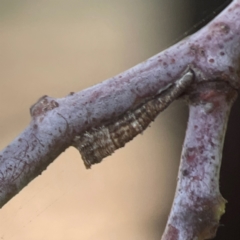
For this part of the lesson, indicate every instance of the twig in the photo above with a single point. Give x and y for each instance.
(198, 204)
(213, 55)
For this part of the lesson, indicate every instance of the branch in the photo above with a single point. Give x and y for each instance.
(211, 55)
(97, 144)
(198, 204)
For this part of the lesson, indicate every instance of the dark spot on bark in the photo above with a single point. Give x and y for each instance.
(222, 53)
(71, 93)
(198, 50)
(120, 76)
(231, 69)
(220, 46)
(201, 149)
(185, 172)
(225, 28)
(211, 143)
(173, 60)
(35, 126)
(169, 74)
(222, 27)
(19, 139)
(211, 60)
(172, 232)
(164, 64)
(209, 37)
(190, 155)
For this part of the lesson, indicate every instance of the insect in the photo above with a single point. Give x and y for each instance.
(96, 144)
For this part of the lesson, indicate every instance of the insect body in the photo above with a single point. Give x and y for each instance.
(99, 143)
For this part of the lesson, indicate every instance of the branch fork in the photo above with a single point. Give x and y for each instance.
(203, 68)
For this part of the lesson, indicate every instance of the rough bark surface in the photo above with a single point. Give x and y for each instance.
(198, 204)
(213, 55)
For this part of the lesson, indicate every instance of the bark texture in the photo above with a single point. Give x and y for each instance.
(213, 55)
(198, 204)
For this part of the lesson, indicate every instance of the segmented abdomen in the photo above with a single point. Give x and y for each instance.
(99, 143)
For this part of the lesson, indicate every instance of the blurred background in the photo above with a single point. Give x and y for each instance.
(54, 47)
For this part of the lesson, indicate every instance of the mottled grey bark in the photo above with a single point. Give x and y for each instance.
(212, 54)
(198, 204)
